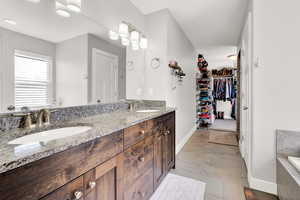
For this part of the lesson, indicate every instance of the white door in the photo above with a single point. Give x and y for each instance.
(1, 76)
(104, 77)
(246, 93)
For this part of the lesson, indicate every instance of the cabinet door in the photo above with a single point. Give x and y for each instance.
(142, 189)
(159, 157)
(170, 142)
(71, 191)
(103, 182)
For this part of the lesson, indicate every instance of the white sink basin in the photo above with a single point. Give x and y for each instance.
(295, 162)
(49, 135)
(147, 111)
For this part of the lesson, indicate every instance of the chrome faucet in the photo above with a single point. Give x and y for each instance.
(27, 120)
(43, 118)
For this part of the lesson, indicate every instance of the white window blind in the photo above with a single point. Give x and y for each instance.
(32, 81)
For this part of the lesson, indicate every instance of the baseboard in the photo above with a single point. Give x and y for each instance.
(180, 145)
(261, 185)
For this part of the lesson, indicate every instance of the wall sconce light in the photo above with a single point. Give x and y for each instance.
(34, 1)
(144, 43)
(113, 35)
(123, 30)
(61, 9)
(125, 41)
(135, 39)
(74, 5)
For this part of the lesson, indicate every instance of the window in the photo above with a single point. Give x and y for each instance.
(32, 80)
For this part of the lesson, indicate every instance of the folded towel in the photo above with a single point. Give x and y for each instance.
(295, 162)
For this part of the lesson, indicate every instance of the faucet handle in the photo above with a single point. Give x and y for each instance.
(27, 117)
(46, 116)
(28, 121)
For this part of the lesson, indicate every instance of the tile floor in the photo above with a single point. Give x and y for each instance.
(219, 166)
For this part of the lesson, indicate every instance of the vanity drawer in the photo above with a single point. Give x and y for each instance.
(142, 189)
(137, 160)
(136, 133)
(71, 191)
(38, 179)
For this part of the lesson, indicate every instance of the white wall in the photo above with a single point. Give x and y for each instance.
(168, 42)
(72, 71)
(183, 96)
(9, 42)
(275, 82)
(156, 79)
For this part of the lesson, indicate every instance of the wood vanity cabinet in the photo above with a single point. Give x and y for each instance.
(104, 182)
(70, 191)
(170, 142)
(164, 148)
(126, 165)
(159, 157)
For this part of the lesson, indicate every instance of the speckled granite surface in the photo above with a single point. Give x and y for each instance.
(288, 178)
(13, 156)
(9, 122)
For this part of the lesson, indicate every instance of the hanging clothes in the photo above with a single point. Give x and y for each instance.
(224, 89)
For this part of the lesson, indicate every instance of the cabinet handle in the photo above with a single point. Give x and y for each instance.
(142, 132)
(141, 159)
(92, 184)
(78, 194)
(143, 194)
(166, 133)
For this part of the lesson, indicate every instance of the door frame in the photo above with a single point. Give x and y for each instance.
(113, 56)
(248, 146)
(1, 76)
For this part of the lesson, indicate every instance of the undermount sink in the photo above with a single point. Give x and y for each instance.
(147, 111)
(49, 135)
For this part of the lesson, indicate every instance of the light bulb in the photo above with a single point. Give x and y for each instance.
(232, 57)
(135, 36)
(74, 5)
(123, 30)
(113, 35)
(63, 13)
(33, 1)
(135, 47)
(10, 21)
(61, 10)
(125, 41)
(74, 8)
(144, 43)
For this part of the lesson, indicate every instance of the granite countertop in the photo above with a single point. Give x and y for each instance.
(13, 156)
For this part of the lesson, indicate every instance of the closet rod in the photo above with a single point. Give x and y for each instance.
(225, 77)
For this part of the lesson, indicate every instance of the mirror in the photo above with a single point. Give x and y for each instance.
(55, 56)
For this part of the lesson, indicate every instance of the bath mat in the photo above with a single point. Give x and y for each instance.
(225, 138)
(176, 187)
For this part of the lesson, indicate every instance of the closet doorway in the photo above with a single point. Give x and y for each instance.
(225, 92)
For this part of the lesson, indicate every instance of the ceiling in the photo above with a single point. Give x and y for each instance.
(206, 22)
(41, 21)
(217, 56)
